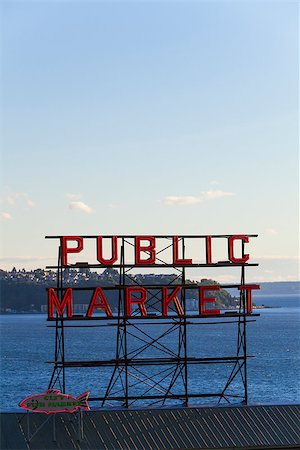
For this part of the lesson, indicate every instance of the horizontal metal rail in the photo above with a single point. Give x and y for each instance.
(157, 286)
(154, 397)
(158, 236)
(148, 361)
(150, 266)
(152, 323)
(150, 317)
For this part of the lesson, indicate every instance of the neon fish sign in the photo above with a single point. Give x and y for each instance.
(53, 401)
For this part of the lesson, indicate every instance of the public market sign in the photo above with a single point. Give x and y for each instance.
(146, 252)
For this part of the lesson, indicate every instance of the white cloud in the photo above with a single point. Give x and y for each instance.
(6, 216)
(30, 203)
(10, 200)
(185, 200)
(271, 231)
(81, 206)
(73, 197)
(15, 198)
(212, 195)
(191, 200)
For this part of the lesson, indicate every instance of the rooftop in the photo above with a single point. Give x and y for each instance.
(239, 427)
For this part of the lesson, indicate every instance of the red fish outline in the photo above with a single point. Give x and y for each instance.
(82, 399)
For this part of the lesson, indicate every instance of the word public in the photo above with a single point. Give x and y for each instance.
(145, 252)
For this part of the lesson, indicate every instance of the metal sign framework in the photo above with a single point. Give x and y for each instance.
(149, 369)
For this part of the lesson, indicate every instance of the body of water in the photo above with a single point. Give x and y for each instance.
(273, 375)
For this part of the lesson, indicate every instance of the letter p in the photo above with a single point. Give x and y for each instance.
(66, 249)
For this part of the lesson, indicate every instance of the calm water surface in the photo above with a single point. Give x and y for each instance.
(273, 375)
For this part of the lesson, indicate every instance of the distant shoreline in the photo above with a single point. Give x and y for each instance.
(24, 313)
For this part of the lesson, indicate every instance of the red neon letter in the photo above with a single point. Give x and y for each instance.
(248, 288)
(66, 249)
(98, 293)
(167, 300)
(114, 251)
(150, 249)
(231, 250)
(176, 260)
(208, 249)
(203, 300)
(129, 300)
(60, 305)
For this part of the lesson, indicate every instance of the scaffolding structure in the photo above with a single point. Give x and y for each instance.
(152, 368)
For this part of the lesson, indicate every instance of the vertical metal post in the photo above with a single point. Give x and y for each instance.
(62, 331)
(185, 331)
(124, 326)
(54, 428)
(80, 426)
(28, 428)
(59, 353)
(244, 336)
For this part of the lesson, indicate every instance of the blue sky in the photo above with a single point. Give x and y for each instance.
(150, 118)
